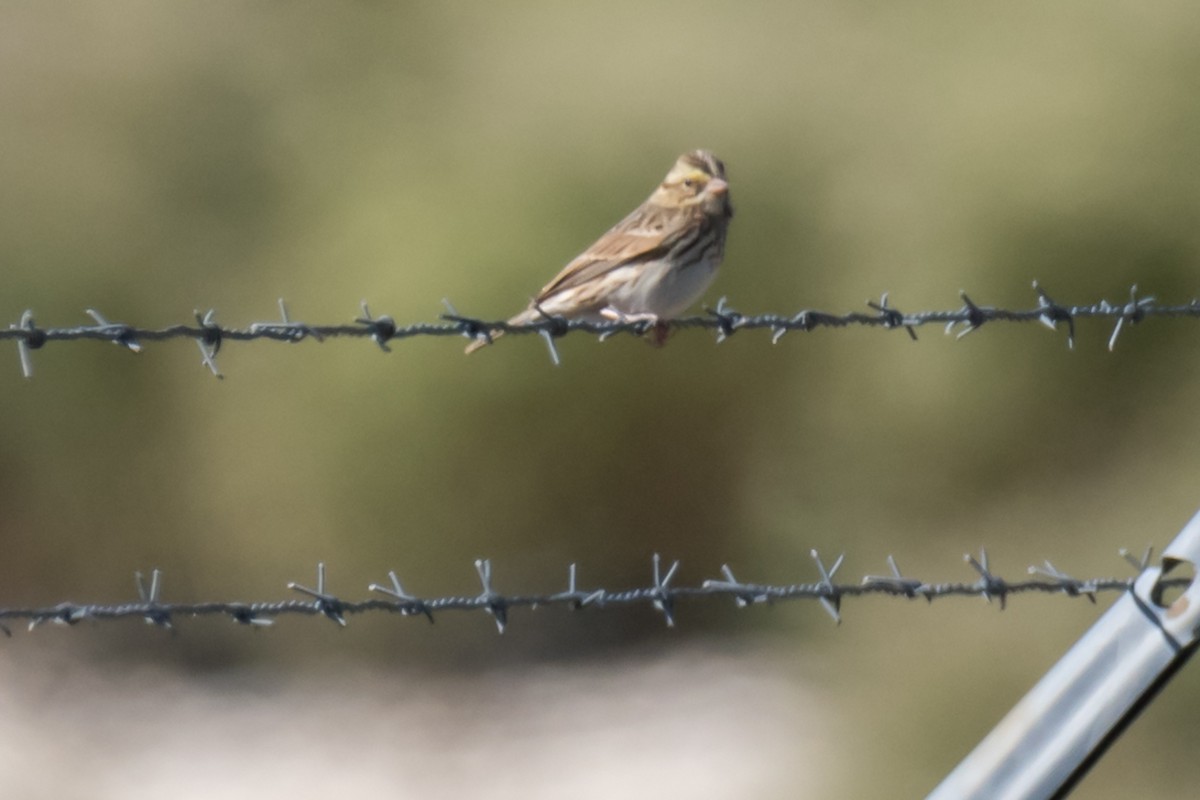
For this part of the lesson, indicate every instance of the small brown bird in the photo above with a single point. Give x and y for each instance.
(654, 263)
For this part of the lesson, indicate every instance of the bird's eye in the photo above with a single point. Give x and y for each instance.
(688, 182)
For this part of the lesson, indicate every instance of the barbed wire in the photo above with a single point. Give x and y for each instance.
(209, 335)
(660, 594)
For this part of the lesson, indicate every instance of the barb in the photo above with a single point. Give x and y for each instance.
(660, 595)
(723, 320)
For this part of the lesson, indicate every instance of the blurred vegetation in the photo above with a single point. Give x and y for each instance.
(159, 158)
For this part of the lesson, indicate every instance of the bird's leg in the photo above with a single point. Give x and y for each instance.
(660, 333)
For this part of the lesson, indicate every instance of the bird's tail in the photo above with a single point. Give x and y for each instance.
(524, 318)
(482, 341)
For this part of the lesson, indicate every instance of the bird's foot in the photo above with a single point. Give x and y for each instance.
(608, 312)
(656, 329)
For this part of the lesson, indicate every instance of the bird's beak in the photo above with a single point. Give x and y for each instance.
(717, 186)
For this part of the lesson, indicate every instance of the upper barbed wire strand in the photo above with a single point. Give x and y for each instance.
(210, 335)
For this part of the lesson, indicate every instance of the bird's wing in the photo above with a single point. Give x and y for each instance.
(639, 236)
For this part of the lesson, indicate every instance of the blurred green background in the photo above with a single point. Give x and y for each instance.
(158, 158)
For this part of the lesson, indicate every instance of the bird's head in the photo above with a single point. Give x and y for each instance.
(696, 181)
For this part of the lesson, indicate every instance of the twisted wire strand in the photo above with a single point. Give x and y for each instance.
(659, 593)
(725, 321)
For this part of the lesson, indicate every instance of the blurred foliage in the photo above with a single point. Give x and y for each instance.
(159, 158)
